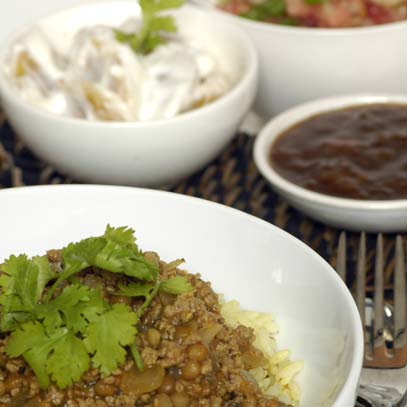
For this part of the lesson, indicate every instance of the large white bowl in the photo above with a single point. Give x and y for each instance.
(298, 64)
(353, 214)
(152, 153)
(247, 259)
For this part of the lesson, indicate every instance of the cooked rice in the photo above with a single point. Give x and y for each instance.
(278, 378)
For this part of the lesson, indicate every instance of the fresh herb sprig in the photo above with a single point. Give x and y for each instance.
(265, 10)
(150, 36)
(314, 2)
(60, 334)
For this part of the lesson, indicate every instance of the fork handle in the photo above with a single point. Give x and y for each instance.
(379, 396)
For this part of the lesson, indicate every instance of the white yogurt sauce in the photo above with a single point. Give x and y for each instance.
(98, 78)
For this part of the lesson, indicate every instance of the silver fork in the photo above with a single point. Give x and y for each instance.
(377, 356)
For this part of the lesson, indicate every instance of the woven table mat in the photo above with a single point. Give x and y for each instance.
(232, 179)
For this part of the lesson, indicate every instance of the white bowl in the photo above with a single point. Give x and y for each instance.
(353, 214)
(152, 153)
(247, 259)
(298, 64)
(21, 12)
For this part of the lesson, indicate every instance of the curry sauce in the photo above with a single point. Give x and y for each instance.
(356, 153)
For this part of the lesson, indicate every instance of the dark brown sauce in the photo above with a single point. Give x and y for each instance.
(356, 153)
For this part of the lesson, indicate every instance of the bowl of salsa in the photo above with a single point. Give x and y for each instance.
(310, 49)
(341, 160)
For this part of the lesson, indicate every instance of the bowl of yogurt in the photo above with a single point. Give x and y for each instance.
(93, 95)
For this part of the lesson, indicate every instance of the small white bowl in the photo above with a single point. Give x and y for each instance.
(298, 64)
(245, 258)
(155, 153)
(353, 214)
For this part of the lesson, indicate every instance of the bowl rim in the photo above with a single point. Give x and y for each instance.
(248, 76)
(355, 368)
(269, 134)
(284, 29)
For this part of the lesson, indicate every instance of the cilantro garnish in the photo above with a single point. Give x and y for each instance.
(176, 285)
(61, 333)
(115, 251)
(22, 282)
(74, 307)
(265, 10)
(107, 336)
(31, 341)
(153, 26)
(316, 1)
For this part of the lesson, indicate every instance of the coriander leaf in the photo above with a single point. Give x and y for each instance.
(288, 21)
(32, 342)
(176, 285)
(116, 252)
(135, 290)
(148, 291)
(151, 43)
(41, 277)
(69, 360)
(265, 10)
(76, 305)
(81, 314)
(22, 282)
(93, 308)
(122, 36)
(24, 338)
(107, 336)
(155, 6)
(80, 255)
(313, 2)
(52, 312)
(153, 26)
(119, 258)
(122, 235)
(166, 23)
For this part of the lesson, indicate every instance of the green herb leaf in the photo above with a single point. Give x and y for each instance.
(150, 35)
(68, 361)
(155, 6)
(176, 285)
(121, 255)
(22, 283)
(32, 342)
(166, 23)
(135, 290)
(75, 307)
(266, 10)
(108, 335)
(116, 252)
(313, 2)
(81, 255)
(288, 21)
(61, 337)
(122, 235)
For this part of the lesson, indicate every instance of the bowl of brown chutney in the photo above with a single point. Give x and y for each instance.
(341, 160)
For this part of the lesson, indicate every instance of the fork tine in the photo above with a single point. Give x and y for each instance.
(361, 277)
(400, 293)
(378, 295)
(341, 256)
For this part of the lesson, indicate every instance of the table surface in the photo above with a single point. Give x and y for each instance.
(231, 179)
